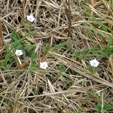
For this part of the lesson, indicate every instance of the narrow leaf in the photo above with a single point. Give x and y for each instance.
(62, 44)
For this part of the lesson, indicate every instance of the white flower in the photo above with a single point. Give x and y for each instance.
(94, 63)
(43, 65)
(19, 52)
(31, 18)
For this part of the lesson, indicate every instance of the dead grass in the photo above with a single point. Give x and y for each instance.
(68, 85)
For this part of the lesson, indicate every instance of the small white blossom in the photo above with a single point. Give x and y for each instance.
(19, 52)
(94, 63)
(31, 18)
(43, 65)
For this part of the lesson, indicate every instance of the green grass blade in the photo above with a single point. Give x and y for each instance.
(62, 44)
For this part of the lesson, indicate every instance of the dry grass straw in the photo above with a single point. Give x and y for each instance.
(53, 91)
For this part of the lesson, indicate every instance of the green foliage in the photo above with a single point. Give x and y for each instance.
(105, 108)
(111, 4)
(89, 34)
(98, 98)
(32, 65)
(92, 70)
(62, 69)
(84, 2)
(62, 44)
(47, 47)
(95, 52)
(5, 110)
(34, 91)
(17, 43)
(77, 112)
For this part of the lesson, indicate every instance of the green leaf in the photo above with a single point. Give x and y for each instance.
(7, 58)
(62, 69)
(95, 21)
(109, 42)
(76, 54)
(18, 42)
(62, 44)
(47, 47)
(18, 35)
(32, 53)
(14, 37)
(28, 35)
(93, 29)
(5, 110)
(108, 107)
(108, 50)
(111, 4)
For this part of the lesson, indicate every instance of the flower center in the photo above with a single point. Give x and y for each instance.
(44, 65)
(94, 63)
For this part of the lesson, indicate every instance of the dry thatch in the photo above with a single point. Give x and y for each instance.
(69, 84)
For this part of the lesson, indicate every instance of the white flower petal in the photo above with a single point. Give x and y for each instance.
(31, 18)
(94, 63)
(19, 52)
(43, 65)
